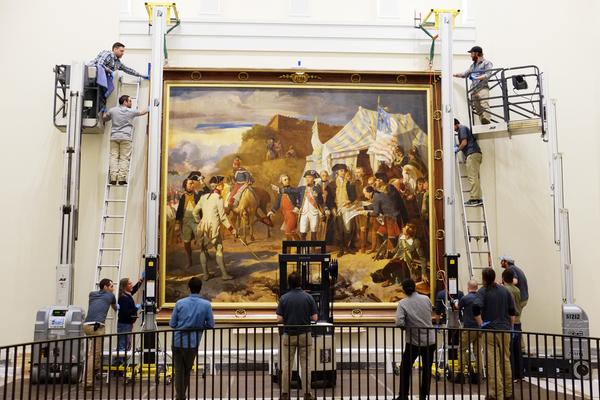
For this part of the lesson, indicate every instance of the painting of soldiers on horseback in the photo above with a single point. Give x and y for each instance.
(248, 167)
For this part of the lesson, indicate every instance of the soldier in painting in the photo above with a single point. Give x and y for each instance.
(386, 207)
(288, 204)
(242, 178)
(186, 224)
(310, 203)
(360, 182)
(210, 214)
(345, 195)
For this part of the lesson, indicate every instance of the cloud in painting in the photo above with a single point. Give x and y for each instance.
(191, 107)
(190, 156)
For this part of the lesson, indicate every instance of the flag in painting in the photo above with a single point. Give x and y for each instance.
(383, 147)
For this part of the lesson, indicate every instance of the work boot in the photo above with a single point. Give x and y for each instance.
(221, 263)
(123, 182)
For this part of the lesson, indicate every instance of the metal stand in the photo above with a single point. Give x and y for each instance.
(320, 286)
(70, 205)
(445, 20)
(159, 18)
(575, 321)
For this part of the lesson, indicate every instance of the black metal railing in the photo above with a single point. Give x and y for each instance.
(349, 361)
(514, 94)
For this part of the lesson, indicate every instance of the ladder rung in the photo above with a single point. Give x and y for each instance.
(480, 252)
(476, 221)
(110, 249)
(108, 266)
(480, 267)
(112, 233)
(114, 201)
(114, 216)
(477, 236)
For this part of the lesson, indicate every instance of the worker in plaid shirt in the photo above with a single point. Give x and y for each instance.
(111, 60)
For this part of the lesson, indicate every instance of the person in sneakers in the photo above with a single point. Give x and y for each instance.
(121, 134)
(468, 145)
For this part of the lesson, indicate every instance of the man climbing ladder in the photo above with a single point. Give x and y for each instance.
(121, 138)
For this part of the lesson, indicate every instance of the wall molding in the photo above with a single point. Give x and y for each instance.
(292, 36)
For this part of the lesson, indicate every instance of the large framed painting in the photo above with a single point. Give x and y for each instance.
(251, 158)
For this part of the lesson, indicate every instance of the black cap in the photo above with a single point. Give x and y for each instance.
(476, 49)
(311, 172)
(456, 122)
(337, 167)
(216, 179)
(195, 175)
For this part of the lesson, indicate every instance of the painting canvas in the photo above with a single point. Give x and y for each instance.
(247, 167)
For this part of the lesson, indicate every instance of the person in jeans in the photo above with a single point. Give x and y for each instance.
(473, 158)
(414, 314)
(127, 314)
(479, 73)
(470, 337)
(121, 135)
(190, 317)
(497, 314)
(296, 307)
(94, 325)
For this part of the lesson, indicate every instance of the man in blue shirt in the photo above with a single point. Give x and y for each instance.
(190, 317)
(94, 326)
(479, 73)
(470, 338)
(472, 152)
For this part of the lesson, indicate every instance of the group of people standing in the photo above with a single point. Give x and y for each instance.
(199, 216)
(491, 318)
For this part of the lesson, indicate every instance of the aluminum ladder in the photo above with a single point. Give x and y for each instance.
(475, 227)
(114, 210)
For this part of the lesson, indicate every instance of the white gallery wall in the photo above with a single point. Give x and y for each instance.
(336, 35)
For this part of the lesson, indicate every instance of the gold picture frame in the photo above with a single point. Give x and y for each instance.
(253, 312)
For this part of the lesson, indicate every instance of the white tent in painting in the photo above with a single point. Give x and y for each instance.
(371, 131)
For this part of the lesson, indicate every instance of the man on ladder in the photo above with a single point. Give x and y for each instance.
(120, 138)
(473, 157)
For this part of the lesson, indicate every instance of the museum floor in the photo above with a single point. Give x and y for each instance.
(258, 385)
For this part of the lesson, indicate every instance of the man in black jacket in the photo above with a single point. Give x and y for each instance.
(386, 207)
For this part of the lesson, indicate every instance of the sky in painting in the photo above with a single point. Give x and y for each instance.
(221, 115)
